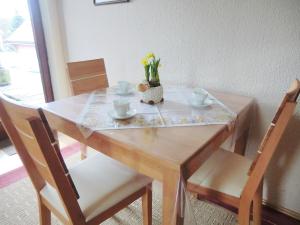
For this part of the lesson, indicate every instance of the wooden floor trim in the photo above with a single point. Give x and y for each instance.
(271, 215)
(283, 210)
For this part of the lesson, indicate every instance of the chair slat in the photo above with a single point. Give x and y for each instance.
(45, 173)
(77, 69)
(33, 148)
(294, 91)
(291, 96)
(88, 84)
(48, 163)
(261, 148)
(27, 136)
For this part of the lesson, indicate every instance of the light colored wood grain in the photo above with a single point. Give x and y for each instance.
(44, 213)
(257, 205)
(147, 206)
(210, 194)
(171, 200)
(87, 76)
(45, 166)
(197, 159)
(53, 210)
(83, 151)
(252, 191)
(154, 142)
(243, 123)
(165, 154)
(241, 143)
(121, 205)
(36, 178)
(244, 214)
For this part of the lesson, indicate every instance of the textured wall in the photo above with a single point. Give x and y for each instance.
(249, 47)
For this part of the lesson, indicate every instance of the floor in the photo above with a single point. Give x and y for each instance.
(9, 161)
(269, 215)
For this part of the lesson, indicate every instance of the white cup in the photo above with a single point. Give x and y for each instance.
(123, 86)
(121, 106)
(199, 97)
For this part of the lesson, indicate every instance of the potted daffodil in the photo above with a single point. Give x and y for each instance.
(152, 91)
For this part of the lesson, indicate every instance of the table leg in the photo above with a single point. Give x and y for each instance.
(241, 143)
(55, 135)
(171, 198)
(83, 151)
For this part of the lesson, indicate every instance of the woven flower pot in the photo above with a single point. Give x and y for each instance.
(153, 95)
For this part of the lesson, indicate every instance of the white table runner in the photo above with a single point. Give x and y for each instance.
(176, 110)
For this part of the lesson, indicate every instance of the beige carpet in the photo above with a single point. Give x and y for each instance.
(18, 206)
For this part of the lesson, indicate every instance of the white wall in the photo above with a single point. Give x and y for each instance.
(246, 47)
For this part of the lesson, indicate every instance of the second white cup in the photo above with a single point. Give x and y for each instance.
(123, 86)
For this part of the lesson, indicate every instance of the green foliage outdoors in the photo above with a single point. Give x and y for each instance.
(7, 27)
(16, 22)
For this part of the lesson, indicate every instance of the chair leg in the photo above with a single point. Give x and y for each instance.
(55, 135)
(257, 206)
(83, 151)
(147, 206)
(244, 213)
(45, 214)
(199, 197)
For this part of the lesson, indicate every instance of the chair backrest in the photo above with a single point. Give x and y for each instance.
(39, 151)
(87, 76)
(271, 139)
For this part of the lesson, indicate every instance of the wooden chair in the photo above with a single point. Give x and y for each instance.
(236, 180)
(87, 76)
(88, 193)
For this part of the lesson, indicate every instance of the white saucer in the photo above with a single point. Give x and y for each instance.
(116, 89)
(206, 103)
(119, 92)
(129, 114)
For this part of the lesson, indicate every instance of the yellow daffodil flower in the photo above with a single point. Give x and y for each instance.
(145, 61)
(150, 55)
(151, 65)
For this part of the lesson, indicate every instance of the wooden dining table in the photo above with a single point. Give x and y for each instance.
(170, 154)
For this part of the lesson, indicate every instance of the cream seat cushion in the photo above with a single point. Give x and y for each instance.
(101, 183)
(224, 171)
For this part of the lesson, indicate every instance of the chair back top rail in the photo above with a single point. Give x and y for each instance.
(271, 139)
(39, 152)
(87, 76)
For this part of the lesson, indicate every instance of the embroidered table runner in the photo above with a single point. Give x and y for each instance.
(176, 110)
